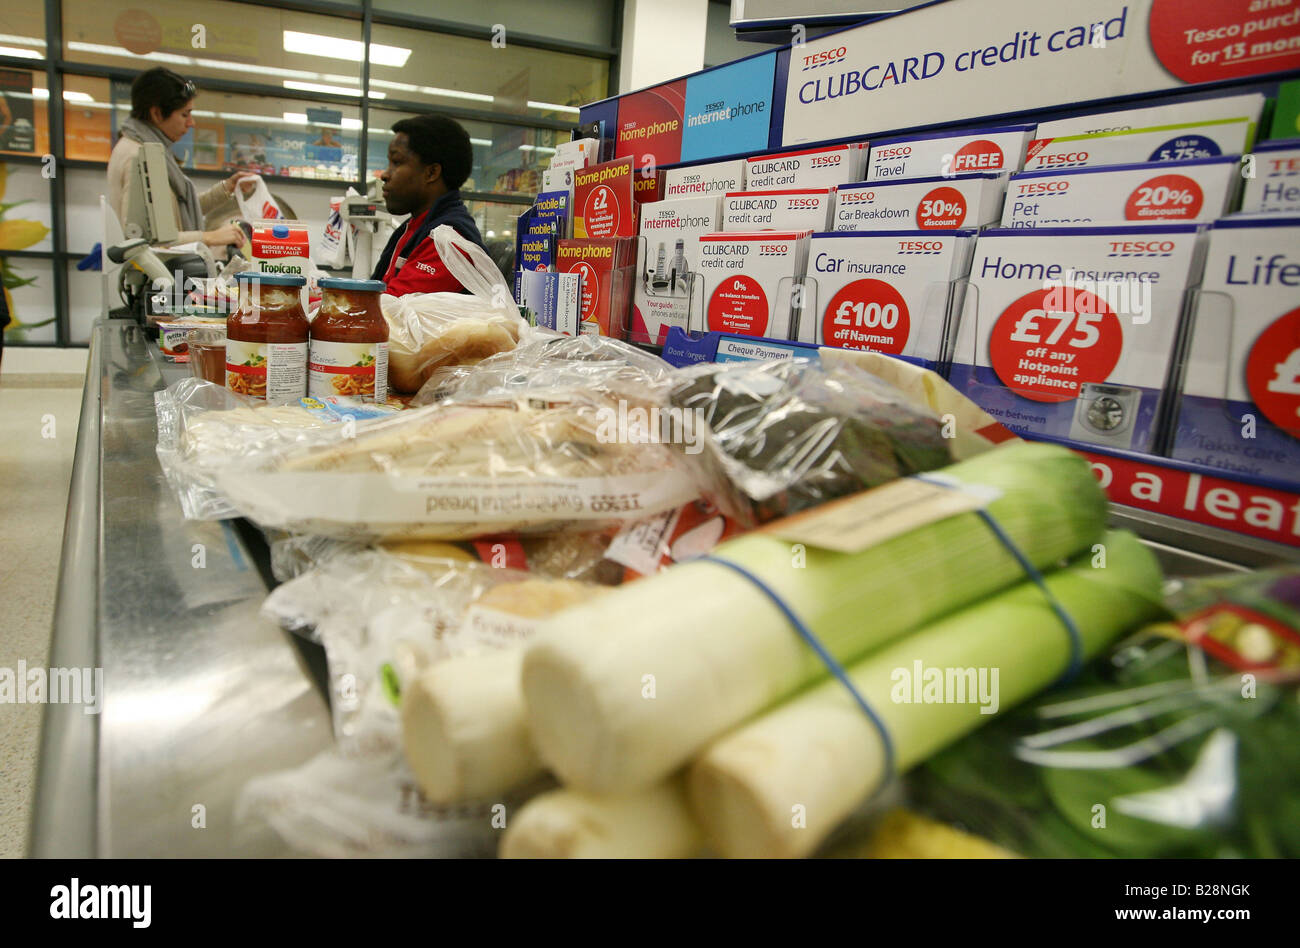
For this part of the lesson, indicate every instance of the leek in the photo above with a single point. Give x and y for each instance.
(818, 756)
(622, 691)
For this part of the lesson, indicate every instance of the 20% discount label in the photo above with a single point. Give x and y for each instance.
(1050, 342)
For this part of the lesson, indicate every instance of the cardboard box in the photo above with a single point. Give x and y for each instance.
(703, 180)
(1000, 149)
(795, 209)
(885, 292)
(603, 202)
(811, 168)
(668, 253)
(282, 247)
(606, 269)
(1069, 332)
(938, 203)
(749, 280)
(1244, 416)
(1114, 194)
(1275, 186)
(1205, 128)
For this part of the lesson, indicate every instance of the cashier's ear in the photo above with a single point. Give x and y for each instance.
(432, 173)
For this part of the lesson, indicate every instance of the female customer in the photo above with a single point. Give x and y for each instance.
(161, 102)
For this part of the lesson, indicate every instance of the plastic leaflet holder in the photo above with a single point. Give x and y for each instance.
(668, 289)
(1070, 333)
(1239, 409)
(885, 291)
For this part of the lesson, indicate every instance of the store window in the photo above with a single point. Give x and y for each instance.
(24, 118)
(508, 159)
(456, 71)
(574, 21)
(224, 40)
(22, 30)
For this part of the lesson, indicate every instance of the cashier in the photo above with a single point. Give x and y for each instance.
(429, 158)
(161, 101)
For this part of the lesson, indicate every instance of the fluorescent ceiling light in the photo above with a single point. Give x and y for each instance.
(536, 148)
(457, 94)
(19, 53)
(296, 118)
(300, 118)
(313, 44)
(22, 40)
(330, 90)
(552, 107)
(480, 141)
(68, 95)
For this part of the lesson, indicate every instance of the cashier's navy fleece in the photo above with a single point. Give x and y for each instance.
(411, 264)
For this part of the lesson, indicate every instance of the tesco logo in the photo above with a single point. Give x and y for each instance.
(1141, 246)
(772, 249)
(825, 161)
(920, 246)
(1072, 158)
(857, 197)
(1044, 187)
(802, 204)
(825, 57)
(900, 152)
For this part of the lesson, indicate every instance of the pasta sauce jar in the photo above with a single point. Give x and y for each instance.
(266, 339)
(349, 342)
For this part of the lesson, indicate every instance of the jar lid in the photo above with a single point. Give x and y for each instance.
(272, 279)
(339, 283)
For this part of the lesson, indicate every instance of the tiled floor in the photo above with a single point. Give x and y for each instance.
(38, 431)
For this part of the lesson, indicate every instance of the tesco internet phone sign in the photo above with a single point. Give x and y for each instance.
(963, 59)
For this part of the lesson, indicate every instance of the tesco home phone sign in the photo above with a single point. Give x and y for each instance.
(962, 59)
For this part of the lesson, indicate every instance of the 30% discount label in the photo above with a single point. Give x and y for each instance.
(1049, 342)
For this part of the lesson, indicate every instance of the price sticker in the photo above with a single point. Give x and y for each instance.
(941, 209)
(739, 305)
(1166, 197)
(1273, 372)
(1050, 342)
(867, 314)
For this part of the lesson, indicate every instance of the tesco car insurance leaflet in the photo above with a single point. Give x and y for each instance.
(884, 292)
(938, 203)
(1246, 418)
(1070, 332)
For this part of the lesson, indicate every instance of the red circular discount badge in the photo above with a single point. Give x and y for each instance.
(590, 289)
(867, 314)
(1273, 372)
(941, 209)
(1050, 342)
(600, 213)
(1166, 197)
(1204, 40)
(738, 305)
(979, 155)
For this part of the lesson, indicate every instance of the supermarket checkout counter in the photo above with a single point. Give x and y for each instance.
(200, 693)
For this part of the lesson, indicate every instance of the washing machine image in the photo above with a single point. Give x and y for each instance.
(1105, 415)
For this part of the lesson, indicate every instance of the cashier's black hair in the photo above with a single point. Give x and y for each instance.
(439, 140)
(161, 87)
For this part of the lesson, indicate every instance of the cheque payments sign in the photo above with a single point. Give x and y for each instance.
(962, 59)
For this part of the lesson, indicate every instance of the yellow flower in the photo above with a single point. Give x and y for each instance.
(19, 235)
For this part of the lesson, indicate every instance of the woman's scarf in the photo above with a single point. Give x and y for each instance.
(187, 196)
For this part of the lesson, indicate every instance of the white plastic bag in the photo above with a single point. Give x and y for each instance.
(332, 248)
(259, 205)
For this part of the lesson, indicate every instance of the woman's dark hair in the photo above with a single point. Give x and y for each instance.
(439, 140)
(161, 87)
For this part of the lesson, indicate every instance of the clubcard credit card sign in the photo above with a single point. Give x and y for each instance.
(1275, 184)
(1246, 418)
(795, 209)
(812, 168)
(1070, 332)
(961, 59)
(603, 200)
(968, 200)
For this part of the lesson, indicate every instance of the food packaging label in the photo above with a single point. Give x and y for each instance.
(172, 336)
(1240, 407)
(1274, 185)
(793, 209)
(937, 203)
(884, 292)
(1070, 332)
(351, 369)
(749, 281)
(274, 372)
(606, 269)
(1000, 150)
(1117, 194)
(603, 202)
(1182, 131)
(282, 247)
(668, 288)
(703, 180)
(811, 168)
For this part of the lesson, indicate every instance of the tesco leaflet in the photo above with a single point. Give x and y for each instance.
(716, 179)
(1245, 417)
(667, 288)
(749, 281)
(964, 200)
(793, 209)
(1069, 332)
(947, 153)
(1112, 194)
(1275, 182)
(812, 168)
(885, 292)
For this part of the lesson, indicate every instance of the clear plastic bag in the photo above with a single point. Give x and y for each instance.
(793, 434)
(429, 330)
